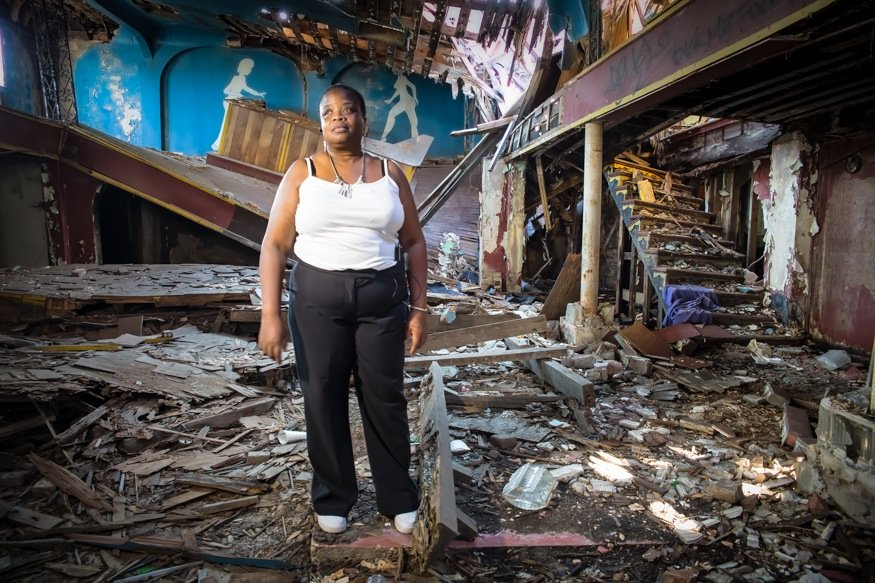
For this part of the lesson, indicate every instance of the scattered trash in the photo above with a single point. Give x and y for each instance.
(833, 359)
(530, 487)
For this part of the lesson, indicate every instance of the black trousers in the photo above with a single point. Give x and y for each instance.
(355, 322)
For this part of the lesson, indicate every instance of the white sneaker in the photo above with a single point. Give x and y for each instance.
(332, 524)
(404, 523)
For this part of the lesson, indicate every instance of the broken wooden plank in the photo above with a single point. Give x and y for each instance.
(468, 529)
(185, 498)
(438, 522)
(560, 377)
(69, 483)
(28, 517)
(234, 486)
(496, 399)
(85, 422)
(565, 290)
(440, 322)
(23, 425)
(490, 356)
(476, 334)
(226, 505)
(174, 547)
(232, 416)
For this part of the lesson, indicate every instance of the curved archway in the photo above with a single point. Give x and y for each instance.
(196, 82)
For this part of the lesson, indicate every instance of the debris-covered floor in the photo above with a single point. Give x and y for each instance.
(139, 442)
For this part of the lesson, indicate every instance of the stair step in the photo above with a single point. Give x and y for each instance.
(673, 276)
(653, 174)
(653, 238)
(624, 179)
(730, 318)
(680, 197)
(623, 183)
(726, 298)
(662, 221)
(662, 257)
(698, 216)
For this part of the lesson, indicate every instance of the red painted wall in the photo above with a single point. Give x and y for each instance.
(843, 278)
(70, 219)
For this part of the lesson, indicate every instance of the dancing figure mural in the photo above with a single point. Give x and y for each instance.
(405, 91)
(235, 90)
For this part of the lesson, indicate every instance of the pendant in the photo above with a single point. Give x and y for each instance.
(345, 189)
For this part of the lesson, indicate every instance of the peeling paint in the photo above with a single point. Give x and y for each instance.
(788, 217)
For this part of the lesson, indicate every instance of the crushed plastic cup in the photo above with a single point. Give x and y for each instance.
(530, 487)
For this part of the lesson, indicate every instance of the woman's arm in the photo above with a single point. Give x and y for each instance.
(275, 247)
(413, 243)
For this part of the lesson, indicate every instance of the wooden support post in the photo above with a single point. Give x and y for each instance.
(592, 214)
(542, 189)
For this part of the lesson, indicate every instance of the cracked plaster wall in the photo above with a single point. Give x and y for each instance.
(789, 220)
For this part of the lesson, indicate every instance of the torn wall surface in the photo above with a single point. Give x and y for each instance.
(788, 218)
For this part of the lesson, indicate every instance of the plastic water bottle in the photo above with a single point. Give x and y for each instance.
(530, 487)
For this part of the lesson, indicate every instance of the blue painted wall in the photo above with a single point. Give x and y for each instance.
(407, 106)
(21, 90)
(171, 96)
(194, 117)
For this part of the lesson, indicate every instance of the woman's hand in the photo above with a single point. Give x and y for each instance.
(417, 330)
(272, 337)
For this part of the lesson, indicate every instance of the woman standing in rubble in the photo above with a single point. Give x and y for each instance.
(349, 218)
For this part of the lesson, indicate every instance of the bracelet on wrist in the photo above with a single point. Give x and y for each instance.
(418, 309)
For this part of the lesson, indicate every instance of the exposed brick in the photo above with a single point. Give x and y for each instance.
(796, 425)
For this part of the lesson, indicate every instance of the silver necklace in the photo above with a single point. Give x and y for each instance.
(345, 187)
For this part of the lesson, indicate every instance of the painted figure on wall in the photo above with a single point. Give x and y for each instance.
(235, 90)
(405, 91)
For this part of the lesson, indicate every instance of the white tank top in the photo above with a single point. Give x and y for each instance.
(355, 232)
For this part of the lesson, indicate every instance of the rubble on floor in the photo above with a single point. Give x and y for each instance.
(140, 440)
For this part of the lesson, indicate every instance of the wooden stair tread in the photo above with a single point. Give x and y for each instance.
(636, 203)
(682, 223)
(670, 272)
(621, 166)
(663, 255)
(675, 238)
(719, 317)
(725, 298)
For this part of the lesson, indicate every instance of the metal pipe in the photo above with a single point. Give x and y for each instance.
(592, 214)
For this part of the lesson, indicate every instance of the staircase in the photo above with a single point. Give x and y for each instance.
(670, 240)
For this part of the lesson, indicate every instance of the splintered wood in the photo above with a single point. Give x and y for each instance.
(437, 524)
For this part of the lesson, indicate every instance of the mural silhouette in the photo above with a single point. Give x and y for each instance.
(405, 91)
(235, 90)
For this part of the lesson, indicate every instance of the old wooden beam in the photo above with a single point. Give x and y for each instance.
(438, 522)
(69, 483)
(85, 422)
(560, 377)
(565, 290)
(489, 356)
(501, 401)
(234, 486)
(175, 547)
(228, 418)
(475, 334)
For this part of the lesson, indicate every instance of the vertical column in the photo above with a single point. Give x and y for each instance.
(502, 241)
(592, 213)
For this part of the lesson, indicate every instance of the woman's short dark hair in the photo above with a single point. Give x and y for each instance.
(357, 97)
